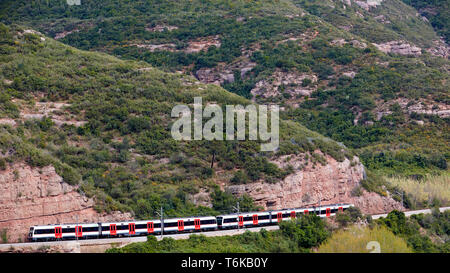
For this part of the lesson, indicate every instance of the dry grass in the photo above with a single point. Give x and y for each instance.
(356, 240)
(425, 190)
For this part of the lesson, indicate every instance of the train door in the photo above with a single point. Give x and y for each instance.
(328, 212)
(306, 212)
(58, 232)
(241, 221)
(293, 214)
(279, 216)
(150, 227)
(197, 224)
(340, 209)
(255, 219)
(79, 231)
(131, 228)
(112, 229)
(180, 225)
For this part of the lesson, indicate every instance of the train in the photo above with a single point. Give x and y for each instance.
(175, 225)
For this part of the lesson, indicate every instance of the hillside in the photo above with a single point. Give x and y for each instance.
(364, 73)
(104, 125)
(362, 88)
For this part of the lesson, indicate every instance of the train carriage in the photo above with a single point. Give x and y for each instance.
(131, 228)
(247, 219)
(200, 223)
(64, 232)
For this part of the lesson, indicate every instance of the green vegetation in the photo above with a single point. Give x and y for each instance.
(437, 12)
(342, 108)
(422, 232)
(431, 190)
(123, 154)
(356, 240)
(392, 20)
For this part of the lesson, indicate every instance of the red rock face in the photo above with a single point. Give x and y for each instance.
(332, 183)
(36, 196)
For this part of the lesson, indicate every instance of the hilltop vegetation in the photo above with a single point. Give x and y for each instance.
(112, 135)
(96, 103)
(378, 104)
(437, 12)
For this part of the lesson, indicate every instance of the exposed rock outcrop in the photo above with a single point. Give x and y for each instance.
(354, 43)
(203, 43)
(35, 196)
(408, 106)
(440, 48)
(288, 82)
(161, 28)
(399, 47)
(332, 183)
(368, 4)
(223, 73)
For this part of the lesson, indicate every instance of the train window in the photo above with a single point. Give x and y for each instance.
(122, 227)
(89, 229)
(208, 222)
(44, 231)
(229, 220)
(141, 226)
(171, 224)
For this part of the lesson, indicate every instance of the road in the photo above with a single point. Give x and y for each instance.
(100, 245)
(412, 212)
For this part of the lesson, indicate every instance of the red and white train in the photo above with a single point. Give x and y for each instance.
(175, 225)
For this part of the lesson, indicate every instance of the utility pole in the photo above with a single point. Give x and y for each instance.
(237, 209)
(161, 215)
(76, 228)
(212, 160)
(320, 199)
(402, 195)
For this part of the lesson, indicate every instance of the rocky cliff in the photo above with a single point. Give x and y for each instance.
(35, 196)
(332, 183)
